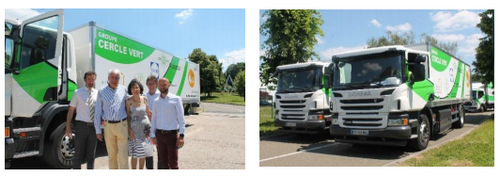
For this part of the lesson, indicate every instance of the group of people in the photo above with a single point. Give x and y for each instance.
(133, 123)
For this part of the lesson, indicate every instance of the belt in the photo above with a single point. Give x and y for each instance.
(86, 123)
(166, 131)
(115, 121)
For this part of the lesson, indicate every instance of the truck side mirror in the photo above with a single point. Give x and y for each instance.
(418, 73)
(420, 58)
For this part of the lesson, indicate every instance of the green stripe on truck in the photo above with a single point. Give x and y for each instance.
(172, 69)
(181, 86)
(36, 79)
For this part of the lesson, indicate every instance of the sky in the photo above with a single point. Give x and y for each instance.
(346, 30)
(219, 32)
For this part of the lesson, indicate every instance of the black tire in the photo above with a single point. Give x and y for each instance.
(460, 123)
(54, 154)
(483, 108)
(423, 132)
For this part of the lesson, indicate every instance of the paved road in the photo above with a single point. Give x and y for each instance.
(212, 141)
(322, 150)
(222, 108)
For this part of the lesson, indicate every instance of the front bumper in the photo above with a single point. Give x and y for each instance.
(394, 136)
(304, 127)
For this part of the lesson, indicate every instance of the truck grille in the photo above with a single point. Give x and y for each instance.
(293, 109)
(362, 113)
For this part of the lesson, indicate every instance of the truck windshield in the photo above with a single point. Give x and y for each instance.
(380, 70)
(299, 80)
(474, 95)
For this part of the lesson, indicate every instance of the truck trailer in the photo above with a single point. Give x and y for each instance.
(301, 101)
(45, 65)
(398, 95)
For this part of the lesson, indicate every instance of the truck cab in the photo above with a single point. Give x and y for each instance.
(302, 97)
(40, 80)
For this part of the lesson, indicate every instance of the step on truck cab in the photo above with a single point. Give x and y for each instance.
(482, 98)
(45, 65)
(301, 101)
(398, 95)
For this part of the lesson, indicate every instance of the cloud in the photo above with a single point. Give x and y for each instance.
(328, 53)
(469, 44)
(376, 23)
(399, 28)
(22, 14)
(447, 21)
(320, 41)
(184, 15)
(233, 57)
(449, 37)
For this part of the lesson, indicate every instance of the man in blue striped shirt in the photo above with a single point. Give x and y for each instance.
(110, 107)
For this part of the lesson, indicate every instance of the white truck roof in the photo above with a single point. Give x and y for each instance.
(301, 65)
(368, 51)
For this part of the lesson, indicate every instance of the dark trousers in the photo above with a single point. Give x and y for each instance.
(85, 145)
(167, 148)
(149, 163)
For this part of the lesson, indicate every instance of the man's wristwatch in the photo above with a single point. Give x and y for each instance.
(182, 136)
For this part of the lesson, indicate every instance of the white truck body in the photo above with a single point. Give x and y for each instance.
(482, 97)
(382, 94)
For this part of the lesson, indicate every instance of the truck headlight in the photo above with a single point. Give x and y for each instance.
(313, 117)
(397, 122)
(335, 120)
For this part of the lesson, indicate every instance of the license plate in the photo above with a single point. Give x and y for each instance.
(359, 132)
(291, 124)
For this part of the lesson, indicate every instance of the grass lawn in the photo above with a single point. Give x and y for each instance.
(266, 124)
(220, 97)
(475, 149)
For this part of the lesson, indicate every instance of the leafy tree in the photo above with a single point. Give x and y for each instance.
(233, 69)
(484, 64)
(292, 37)
(210, 70)
(240, 83)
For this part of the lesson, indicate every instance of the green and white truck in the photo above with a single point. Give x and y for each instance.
(302, 97)
(398, 95)
(45, 65)
(482, 97)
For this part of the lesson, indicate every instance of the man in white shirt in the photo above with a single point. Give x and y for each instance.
(152, 94)
(167, 126)
(85, 141)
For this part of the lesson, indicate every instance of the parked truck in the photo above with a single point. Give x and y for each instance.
(482, 97)
(398, 95)
(45, 65)
(302, 97)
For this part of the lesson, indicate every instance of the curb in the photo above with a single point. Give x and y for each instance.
(222, 103)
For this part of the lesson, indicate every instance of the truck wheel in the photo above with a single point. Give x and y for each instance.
(60, 150)
(461, 116)
(483, 108)
(423, 132)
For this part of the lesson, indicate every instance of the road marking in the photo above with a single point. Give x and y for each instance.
(439, 144)
(299, 152)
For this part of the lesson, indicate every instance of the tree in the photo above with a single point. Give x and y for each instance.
(408, 38)
(292, 37)
(233, 69)
(210, 70)
(240, 83)
(484, 64)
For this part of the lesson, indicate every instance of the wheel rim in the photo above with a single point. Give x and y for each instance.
(67, 147)
(424, 133)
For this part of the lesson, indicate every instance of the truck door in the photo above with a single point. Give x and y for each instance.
(38, 50)
(9, 55)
